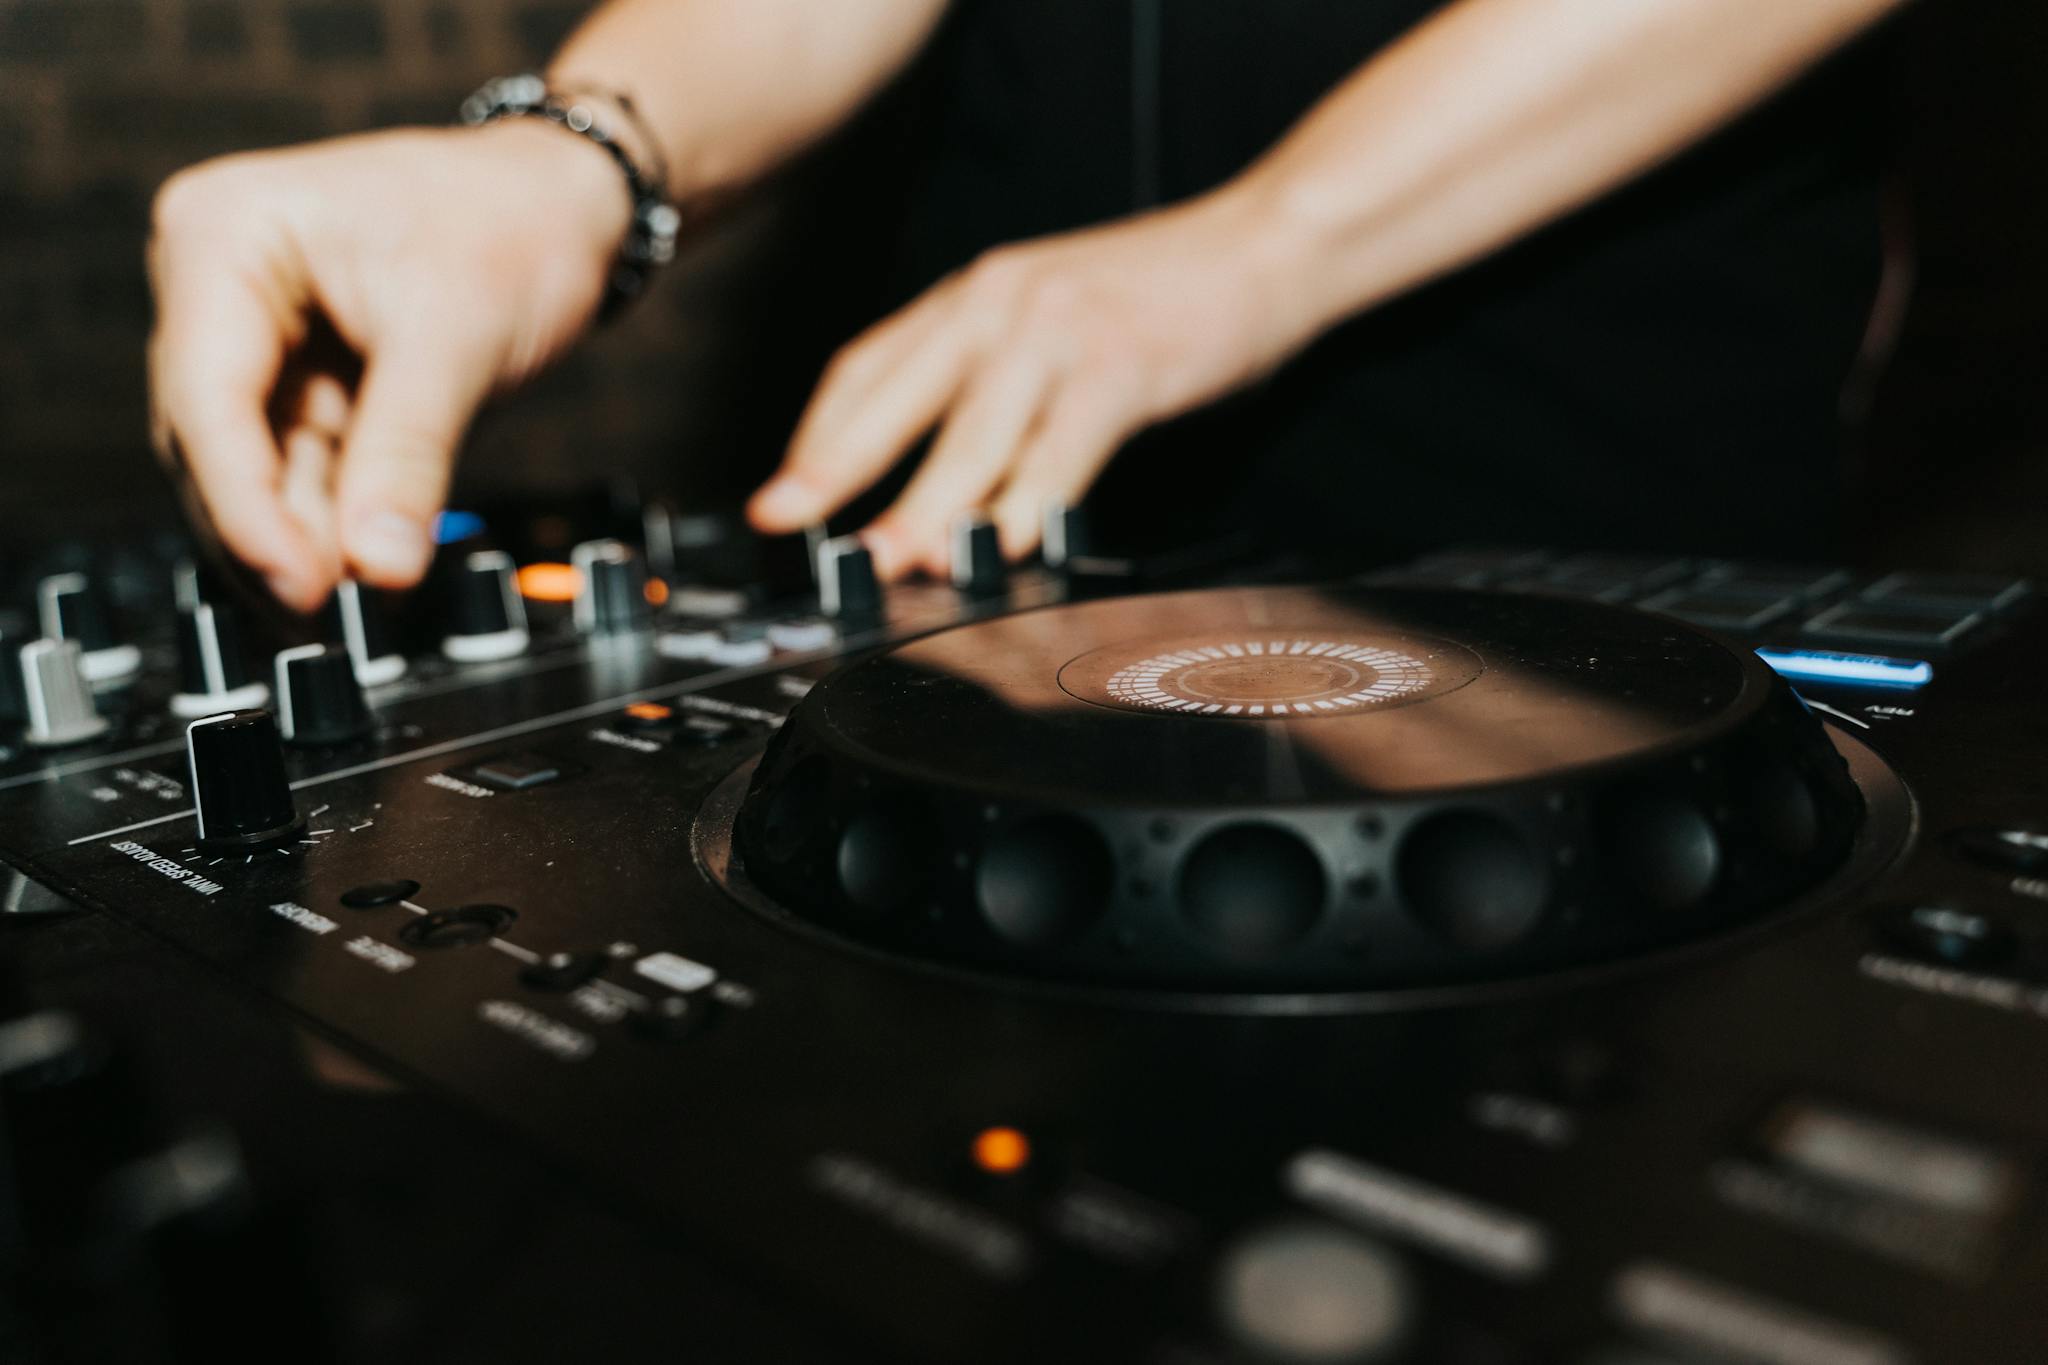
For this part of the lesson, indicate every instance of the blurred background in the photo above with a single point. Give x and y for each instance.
(103, 98)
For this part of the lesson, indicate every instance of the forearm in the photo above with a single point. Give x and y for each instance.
(1499, 116)
(733, 87)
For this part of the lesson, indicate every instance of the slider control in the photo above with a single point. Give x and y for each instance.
(318, 699)
(487, 617)
(212, 674)
(57, 705)
(71, 609)
(355, 618)
(847, 586)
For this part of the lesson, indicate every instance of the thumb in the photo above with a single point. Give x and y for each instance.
(417, 398)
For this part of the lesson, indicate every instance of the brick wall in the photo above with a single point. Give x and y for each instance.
(104, 98)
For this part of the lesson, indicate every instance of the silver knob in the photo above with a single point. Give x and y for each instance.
(71, 609)
(56, 697)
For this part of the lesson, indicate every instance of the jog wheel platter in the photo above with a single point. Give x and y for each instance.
(1293, 789)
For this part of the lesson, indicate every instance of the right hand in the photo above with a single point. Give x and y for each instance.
(330, 317)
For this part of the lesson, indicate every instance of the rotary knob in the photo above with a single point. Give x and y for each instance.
(487, 618)
(70, 608)
(319, 701)
(13, 700)
(213, 674)
(57, 706)
(847, 586)
(1065, 536)
(977, 567)
(355, 618)
(239, 787)
(611, 595)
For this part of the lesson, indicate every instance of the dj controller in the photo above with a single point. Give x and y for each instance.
(1505, 957)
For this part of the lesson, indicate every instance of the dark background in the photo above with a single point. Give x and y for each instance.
(106, 97)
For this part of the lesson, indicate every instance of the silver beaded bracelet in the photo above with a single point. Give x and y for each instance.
(651, 236)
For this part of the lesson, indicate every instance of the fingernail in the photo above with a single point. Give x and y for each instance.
(387, 545)
(783, 500)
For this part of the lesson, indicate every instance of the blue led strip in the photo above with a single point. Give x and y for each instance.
(1851, 670)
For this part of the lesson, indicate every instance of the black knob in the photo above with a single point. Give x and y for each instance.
(70, 608)
(213, 674)
(486, 616)
(847, 586)
(57, 704)
(1065, 535)
(13, 700)
(318, 698)
(611, 597)
(977, 567)
(238, 781)
(355, 618)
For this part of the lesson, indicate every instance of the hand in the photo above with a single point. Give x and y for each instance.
(330, 317)
(1034, 365)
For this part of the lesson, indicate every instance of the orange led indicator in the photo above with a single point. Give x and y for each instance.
(1001, 1151)
(549, 582)
(650, 711)
(657, 592)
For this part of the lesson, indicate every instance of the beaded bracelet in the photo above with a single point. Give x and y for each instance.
(651, 236)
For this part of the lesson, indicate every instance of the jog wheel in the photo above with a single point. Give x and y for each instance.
(1298, 789)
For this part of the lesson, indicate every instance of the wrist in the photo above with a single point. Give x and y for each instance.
(582, 185)
(1281, 265)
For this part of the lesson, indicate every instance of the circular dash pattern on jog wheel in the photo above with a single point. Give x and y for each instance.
(1297, 789)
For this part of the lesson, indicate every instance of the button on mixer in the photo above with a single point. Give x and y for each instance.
(518, 772)
(565, 971)
(675, 1017)
(2011, 848)
(1951, 937)
(459, 927)
(370, 895)
(1306, 1292)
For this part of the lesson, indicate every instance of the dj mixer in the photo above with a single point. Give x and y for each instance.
(1512, 956)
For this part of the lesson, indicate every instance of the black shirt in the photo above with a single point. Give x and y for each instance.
(1659, 371)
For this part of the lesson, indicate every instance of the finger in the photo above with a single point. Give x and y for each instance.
(979, 442)
(314, 398)
(310, 455)
(417, 398)
(871, 407)
(1060, 460)
(214, 361)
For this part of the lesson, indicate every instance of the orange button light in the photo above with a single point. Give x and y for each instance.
(549, 582)
(657, 592)
(1001, 1151)
(651, 711)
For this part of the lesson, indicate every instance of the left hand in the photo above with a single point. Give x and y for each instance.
(1034, 365)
